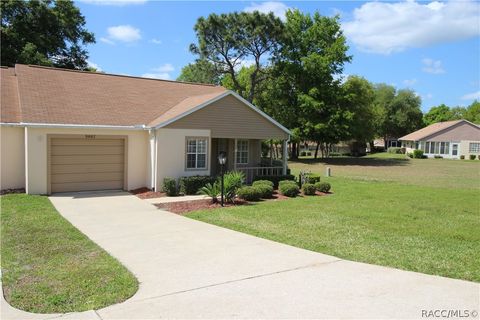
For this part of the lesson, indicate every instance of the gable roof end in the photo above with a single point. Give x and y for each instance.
(434, 129)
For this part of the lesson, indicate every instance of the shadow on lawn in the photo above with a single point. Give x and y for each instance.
(368, 162)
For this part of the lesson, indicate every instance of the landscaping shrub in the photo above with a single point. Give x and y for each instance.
(266, 190)
(309, 189)
(303, 154)
(313, 178)
(191, 185)
(418, 154)
(289, 188)
(462, 157)
(233, 180)
(170, 186)
(472, 157)
(249, 193)
(410, 155)
(396, 150)
(437, 156)
(275, 179)
(211, 190)
(258, 182)
(323, 186)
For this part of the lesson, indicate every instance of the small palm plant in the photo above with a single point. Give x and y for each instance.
(233, 181)
(212, 190)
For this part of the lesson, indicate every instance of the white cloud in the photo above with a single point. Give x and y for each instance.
(427, 96)
(162, 72)
(278, 8)
(107, 41)
(156, 41)
(432, 66)
(160, 75)
(167, 67)
(382, 27)
(113, 2)
(409, 82)
(94, 65)
(472, 96)
(123, 33)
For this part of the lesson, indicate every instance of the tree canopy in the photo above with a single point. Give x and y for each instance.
(201, 71)
(230, 40)
(44, 32)
(445, 113)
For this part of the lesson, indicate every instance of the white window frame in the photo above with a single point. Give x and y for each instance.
(196, 153)
(239, 153)
(474, 147)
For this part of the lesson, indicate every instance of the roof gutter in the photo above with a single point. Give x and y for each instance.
(73, 126)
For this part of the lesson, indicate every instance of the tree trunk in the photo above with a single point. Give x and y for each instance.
(316, 150)
(294, 151)
(372, 146)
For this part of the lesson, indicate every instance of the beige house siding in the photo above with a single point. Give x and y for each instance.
(462, 131)
(464, 148)
(230, 118)
(171, 155)
(36, 153)
(12, 157)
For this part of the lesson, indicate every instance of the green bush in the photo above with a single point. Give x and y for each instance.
(170, 186)
(418, 154)
(323, 186)
(396, 150)
(472, 157)
(313, 178)
(191, 185)
(275, 179)
(249, 193)
(289, 188)
(266, 190)
(462, 157)
(437, 156)
(303, 154)
(309, 189)
(212, 190)
(410, 155)
(233, 180)
(258, 182)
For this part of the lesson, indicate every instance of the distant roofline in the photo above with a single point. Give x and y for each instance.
(114, 75)
(450, 122)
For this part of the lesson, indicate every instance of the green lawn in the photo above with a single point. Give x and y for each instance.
(419, 215)
(49, 266)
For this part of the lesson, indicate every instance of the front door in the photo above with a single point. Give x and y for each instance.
(454, 150)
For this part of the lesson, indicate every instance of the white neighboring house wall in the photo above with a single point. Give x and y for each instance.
(171, 154)
(463, 148)
(12, 157)
(36, 155)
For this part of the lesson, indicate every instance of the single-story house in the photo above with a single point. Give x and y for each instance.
(64, 130)
(450, 139)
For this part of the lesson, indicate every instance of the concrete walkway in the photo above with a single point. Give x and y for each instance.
(190, 269)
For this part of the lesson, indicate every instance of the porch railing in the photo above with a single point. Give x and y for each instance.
(252, 172)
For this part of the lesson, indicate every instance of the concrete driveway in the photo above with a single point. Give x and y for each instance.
(190, 269)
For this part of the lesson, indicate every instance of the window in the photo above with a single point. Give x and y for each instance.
(427, 147)
(196, 153)
(442, 147)
(432, 147)
(242, 152)
(474, 147)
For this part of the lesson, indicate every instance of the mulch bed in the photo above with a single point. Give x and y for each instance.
(182, 207)
(8, 191)
(145, 193)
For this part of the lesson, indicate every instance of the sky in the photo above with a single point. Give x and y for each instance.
(430, 47)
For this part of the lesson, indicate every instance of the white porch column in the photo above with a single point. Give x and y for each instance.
(284, 157)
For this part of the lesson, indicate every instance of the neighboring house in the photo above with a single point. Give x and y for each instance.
(64, 130)
(450, 139)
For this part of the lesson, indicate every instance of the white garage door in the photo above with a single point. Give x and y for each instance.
(84, 163)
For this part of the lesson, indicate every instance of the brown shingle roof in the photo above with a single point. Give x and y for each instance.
(10, 108)
(428, 131)
(59, 96)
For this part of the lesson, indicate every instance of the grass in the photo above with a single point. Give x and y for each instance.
(419, 215)
(49, 266)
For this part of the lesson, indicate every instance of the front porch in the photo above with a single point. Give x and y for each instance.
(245, 155)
